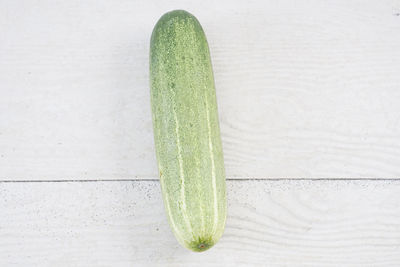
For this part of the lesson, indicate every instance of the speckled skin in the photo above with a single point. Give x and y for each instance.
(186, 130)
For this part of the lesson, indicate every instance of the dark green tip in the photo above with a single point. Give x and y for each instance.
(202, 244)
(168, 19)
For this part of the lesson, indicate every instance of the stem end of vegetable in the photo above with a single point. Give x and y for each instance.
(202, 244)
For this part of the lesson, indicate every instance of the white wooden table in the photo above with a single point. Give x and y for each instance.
(309, 105)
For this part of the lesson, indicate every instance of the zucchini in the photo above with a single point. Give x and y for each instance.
(186, 131)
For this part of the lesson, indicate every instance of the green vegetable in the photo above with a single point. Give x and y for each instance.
(186, 131)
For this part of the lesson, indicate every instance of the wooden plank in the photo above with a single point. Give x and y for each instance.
(270, 223)
(305, 89)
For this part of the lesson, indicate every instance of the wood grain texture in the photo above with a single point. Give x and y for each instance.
(305, 88)
(270, 223)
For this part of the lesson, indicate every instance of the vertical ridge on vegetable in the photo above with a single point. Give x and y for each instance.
(186, 130)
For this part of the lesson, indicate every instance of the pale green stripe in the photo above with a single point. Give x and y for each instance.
(182, 175)
(214, 179)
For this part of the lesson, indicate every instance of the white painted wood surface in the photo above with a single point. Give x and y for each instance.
(270, 223)
(305, 88)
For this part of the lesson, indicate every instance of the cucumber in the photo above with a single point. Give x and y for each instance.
(186, 131)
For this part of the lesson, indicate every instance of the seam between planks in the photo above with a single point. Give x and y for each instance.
(228, 179)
